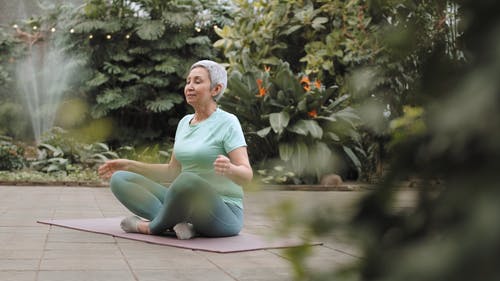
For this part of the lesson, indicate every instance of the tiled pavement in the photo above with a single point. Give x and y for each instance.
(32, 251)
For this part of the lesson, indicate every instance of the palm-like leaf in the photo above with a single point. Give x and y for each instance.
(151, 30)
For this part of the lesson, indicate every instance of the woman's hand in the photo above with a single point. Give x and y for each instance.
(222, 165)
(107, 169)
(235, 167)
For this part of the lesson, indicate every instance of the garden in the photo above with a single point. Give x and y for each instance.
(373, 91)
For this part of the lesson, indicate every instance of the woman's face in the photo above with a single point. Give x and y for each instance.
(197, 90)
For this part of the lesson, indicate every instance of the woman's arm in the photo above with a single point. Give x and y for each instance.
(156, 172)
(236, 167)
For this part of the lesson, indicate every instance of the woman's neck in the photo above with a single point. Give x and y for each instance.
(201, 114)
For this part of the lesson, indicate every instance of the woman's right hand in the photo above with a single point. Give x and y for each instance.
(107, 169)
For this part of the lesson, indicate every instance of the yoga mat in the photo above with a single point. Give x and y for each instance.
(242, 242)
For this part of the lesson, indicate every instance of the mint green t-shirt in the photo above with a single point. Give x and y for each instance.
(197, 146)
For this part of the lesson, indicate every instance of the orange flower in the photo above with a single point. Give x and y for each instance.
(306, 83)
(262, 91)
(317, 84)
(313, 113)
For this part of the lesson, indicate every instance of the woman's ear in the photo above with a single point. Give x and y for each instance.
(216, 90)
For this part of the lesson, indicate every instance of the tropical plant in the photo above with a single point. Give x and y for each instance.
(137, 55)
(295, 120)
(321, 38)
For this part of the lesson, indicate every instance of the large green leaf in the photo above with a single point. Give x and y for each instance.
(263, 132)
(286, 151)
(305, 127)
(151, 30)
(126, 77)
(112, 68)
(300, 157)
(160, 105)
(236, 85)
(99, 79)
(352, 157)
(279, 121)
(88, 26)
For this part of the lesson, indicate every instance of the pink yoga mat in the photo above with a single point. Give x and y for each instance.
(242, 242)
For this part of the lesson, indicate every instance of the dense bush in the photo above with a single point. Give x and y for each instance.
(11, 155)
(294, 120)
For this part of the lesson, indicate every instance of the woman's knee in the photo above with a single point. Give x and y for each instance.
(186, 182)
(118, 180)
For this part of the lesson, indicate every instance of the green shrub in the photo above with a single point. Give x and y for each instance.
(293, 119)
(11, 155)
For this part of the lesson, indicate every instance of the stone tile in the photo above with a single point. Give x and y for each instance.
(75, 214)
(18, 264)
(79, 236)
(79, 246)
(21, 254)
(183, 275)
(261, 274)
(85, 275)
(168, 259)
(22, 245)
(88, 251)
(18, 275)
(250, 259)
(75, 262)
(35, 229)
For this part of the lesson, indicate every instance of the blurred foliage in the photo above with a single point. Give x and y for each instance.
(62, 153)
(295, 120)
(451, 232)
(13, 122)
(11, 155)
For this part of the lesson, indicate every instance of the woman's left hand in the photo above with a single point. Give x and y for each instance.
(222, 165)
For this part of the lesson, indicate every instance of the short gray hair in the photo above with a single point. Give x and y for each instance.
(216, 73)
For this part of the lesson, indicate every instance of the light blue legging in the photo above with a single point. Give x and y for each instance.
(188, 199)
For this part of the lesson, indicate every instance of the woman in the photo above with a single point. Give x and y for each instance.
(209, 165)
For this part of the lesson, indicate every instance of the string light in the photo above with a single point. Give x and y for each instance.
(198, 29)
(90, 36)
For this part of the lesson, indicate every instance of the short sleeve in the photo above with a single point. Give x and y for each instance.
(234, 136)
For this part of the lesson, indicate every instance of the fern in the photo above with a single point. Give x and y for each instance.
(166, 68)
(159, 56)
(165, 103)
(112, 26)
(122, 57)
(112, 68)
(199, 40)
(150, 30)
(98, 79)
(139, 50)
(178, 18)
(156, 81)
(89, 26)
(113, 99)
(127, 77)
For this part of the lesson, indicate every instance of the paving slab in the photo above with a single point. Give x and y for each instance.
(35, 252)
